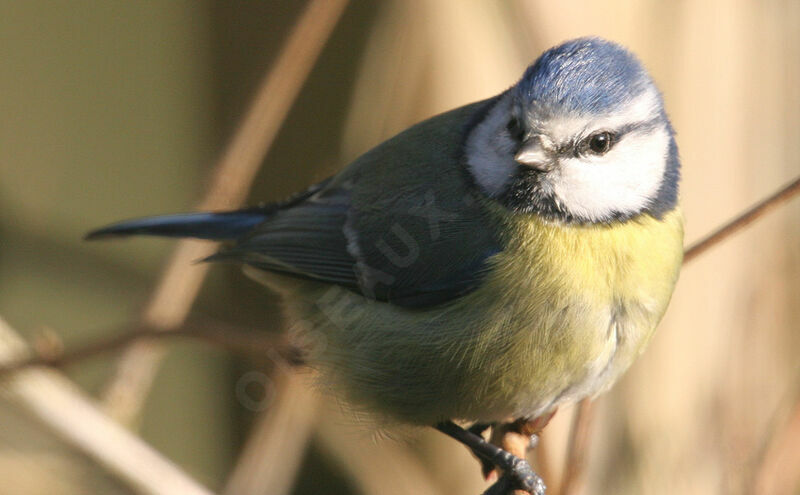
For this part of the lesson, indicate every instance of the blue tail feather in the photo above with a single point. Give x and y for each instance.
(214, 226)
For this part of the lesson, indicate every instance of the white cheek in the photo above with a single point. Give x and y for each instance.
(623, 180)
(490, 152)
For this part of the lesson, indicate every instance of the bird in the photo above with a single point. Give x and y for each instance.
(488, 264)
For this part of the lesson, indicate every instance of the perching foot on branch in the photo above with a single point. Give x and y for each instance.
(518, 474)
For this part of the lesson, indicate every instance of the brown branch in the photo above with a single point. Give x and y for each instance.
(768, 470)
(577, 448)
(762, 208)
(276, 445)
(778, 471)
(73, 416)
(218, 335)
(579, 440)
(232, 177)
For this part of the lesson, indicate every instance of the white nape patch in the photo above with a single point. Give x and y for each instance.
(490, 150)
(622, 181)
(641, 109)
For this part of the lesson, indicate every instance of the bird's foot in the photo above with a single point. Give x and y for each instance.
(517, 473)
(516, 437)
(488, 470)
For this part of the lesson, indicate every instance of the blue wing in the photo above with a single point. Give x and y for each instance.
(403, 258)
(402, 224)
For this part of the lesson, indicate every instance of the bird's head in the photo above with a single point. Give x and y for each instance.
(583, 137)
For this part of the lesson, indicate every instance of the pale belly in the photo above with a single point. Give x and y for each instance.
(481, 359)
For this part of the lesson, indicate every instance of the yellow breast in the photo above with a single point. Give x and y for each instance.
(638, 259)
(562, 312)
(580, 303)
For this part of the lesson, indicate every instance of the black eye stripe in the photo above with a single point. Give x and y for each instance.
(514, 129)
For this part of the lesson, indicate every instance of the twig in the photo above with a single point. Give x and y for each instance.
(232, 177)
(577, 447)
(224, 336)
(70, 414)
(784, 194)
(767, 468)
(275, 448)
(543, 464)
(778, 472)
(583, 412)
(385, 468)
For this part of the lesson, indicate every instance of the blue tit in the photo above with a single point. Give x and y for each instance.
(492, 262)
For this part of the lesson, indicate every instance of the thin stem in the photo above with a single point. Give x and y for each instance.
(224, 336)
(762, 208)
(771, 471)
(276, 445)
(577, 447)
(231, 180)
(74, 417)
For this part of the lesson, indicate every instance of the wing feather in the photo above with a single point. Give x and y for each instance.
(403, 224)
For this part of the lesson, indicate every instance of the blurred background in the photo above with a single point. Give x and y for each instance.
(116, 109)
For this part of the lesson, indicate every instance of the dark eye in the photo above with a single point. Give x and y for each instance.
(600, 142)
(515, 129)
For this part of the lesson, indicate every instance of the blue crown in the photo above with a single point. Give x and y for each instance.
(585, 75)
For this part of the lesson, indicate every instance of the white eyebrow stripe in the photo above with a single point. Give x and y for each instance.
(644, 108)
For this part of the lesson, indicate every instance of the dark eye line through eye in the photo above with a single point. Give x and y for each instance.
(582, 147)
(579, 146)
(515, 130)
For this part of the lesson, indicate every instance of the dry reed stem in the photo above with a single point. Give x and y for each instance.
(577, 447)
(231, 180)
(69, 413)
(777, 467)
(224, 336)
(388, 468)
(543, 464)
(779, 474)
(276, 445)
(763, 207)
